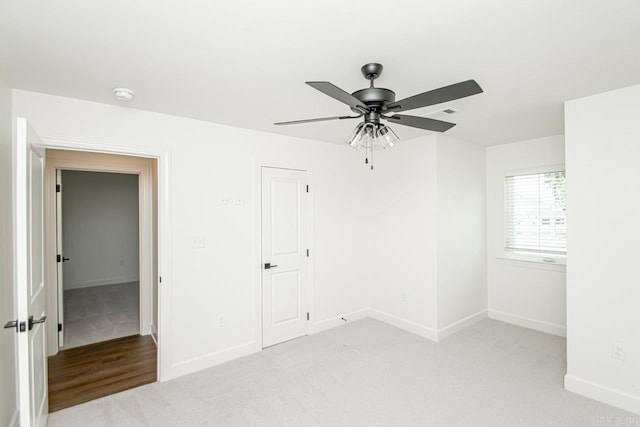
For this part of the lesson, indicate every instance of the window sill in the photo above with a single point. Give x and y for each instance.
(545, 262)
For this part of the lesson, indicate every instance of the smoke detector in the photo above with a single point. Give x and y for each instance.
(123, 94)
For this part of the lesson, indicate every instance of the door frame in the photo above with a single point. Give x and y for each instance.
(66, 160)
(164, 261)
(257, 224)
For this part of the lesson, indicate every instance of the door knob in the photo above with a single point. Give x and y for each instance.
(15, 324)
(33, 322)
(65, 259)
(268, 265)
(12, 325)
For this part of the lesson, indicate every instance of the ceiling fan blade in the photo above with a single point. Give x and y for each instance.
(437, 96)
(421, 122)
(336, 93)
(322, 119)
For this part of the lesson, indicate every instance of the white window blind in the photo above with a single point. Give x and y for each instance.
(535, 213)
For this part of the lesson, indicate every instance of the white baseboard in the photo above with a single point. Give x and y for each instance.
(407, 325)
(333, 322)
(399, 322)
(99, 282)
(212, 359)
(610, 396)
(538, 325)
(461, 324)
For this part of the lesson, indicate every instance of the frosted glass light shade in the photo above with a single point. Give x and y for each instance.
(355, 140)
(372, 137)
(387, 137)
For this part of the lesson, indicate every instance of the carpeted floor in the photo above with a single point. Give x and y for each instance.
(367, 373)
(100, 313)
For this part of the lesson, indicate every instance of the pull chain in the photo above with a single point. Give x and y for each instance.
(372, 151)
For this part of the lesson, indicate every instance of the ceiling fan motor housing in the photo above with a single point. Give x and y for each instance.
(375, 98)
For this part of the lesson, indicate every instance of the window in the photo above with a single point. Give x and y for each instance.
(535, 214)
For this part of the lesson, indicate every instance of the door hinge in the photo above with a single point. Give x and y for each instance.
(307, 253)
(59, 327)
(58, 188)
(307, 188)
(160, 278)
(307, 316)
(58, 258)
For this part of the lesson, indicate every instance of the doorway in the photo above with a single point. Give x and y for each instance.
(102, 269)
(285, 255)
(97, 240)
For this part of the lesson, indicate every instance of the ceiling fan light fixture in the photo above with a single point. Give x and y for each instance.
(355, 140)
(372, 137)
(387, 136)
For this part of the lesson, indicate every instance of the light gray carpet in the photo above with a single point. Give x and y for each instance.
(100, 313)
(368, 373)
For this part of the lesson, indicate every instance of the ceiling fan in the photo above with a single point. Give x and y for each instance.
(374, 104)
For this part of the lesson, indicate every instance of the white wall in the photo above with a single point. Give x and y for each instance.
(462, 291)
(428, 194)
(209, 162)
(402, 237)
(603, 277)
(525, 293)
(99, 228)
(8, 403)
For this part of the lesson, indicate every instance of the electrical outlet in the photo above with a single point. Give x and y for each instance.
(617, 351)
(221, 320)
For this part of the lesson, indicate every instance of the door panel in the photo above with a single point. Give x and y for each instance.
(285, 297)
(35, 231)
(29, 265)
(39, 395)
(285, 212)
(284, 245)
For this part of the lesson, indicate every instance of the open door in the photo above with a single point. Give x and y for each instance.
(29, 276)
(60, 258)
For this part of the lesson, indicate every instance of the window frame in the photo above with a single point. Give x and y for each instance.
(528, 256)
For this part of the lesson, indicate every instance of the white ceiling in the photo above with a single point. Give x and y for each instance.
(244, 62)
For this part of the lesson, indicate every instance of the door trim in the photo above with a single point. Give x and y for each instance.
(164, 260)
(257, 256)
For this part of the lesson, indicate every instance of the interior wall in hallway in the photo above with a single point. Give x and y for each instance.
(100, 228)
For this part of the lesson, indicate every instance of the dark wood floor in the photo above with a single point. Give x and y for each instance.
(85, 373)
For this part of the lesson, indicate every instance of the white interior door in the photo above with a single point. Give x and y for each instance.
(284, 255)
(60, 258)
(29, 274)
